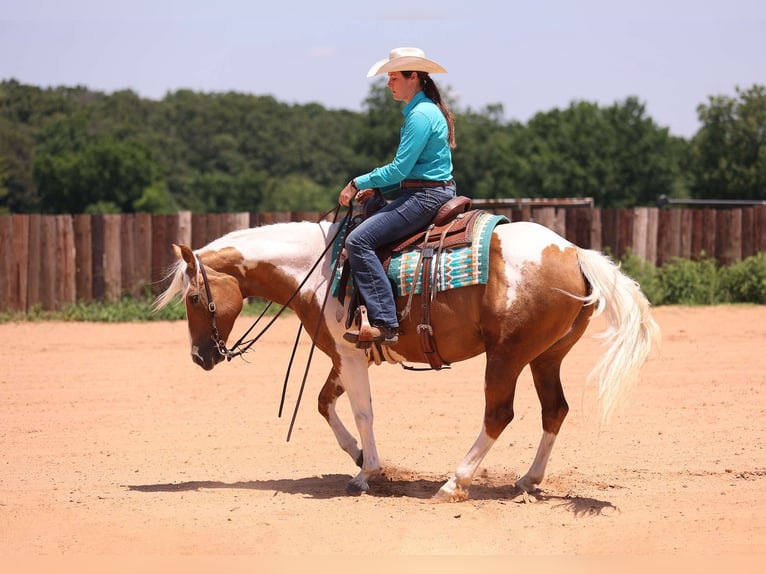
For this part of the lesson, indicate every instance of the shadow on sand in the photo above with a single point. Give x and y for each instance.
(334, 486)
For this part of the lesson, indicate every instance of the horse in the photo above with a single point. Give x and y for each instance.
(540, 294)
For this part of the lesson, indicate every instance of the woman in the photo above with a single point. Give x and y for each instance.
(422, 168)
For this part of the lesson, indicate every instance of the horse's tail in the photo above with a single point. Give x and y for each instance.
(630, 333)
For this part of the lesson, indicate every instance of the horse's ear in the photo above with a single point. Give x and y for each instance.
(183, 252)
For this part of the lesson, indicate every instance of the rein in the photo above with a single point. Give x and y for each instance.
(241, 346)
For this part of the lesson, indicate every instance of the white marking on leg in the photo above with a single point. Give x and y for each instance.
(356, 381)
(456, 488)
(345, 439)
(536, 472)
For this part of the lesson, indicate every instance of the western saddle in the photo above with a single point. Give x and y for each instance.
(452, 226)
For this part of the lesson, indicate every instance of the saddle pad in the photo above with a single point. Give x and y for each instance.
(458, 266)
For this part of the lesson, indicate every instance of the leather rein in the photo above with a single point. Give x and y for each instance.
(242, 346)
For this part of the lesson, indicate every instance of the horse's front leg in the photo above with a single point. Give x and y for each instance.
(328, 396)
(355, 379)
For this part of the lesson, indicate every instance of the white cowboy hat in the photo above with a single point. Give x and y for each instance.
(406, 60)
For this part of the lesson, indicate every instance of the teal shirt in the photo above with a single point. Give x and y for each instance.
(423, 152)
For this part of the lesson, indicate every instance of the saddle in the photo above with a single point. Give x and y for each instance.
(452, 226)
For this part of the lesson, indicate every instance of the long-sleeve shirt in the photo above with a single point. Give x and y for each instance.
(423, 152)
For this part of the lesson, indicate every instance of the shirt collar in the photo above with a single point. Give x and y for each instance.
(416, 99)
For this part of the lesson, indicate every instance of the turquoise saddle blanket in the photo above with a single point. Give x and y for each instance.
(458, 266)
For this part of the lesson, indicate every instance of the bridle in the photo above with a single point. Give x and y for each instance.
(242, 346)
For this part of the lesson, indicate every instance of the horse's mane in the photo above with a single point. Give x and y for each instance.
(176, 274)
(177, 271)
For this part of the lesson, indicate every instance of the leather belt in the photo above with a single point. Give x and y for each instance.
(409, 183)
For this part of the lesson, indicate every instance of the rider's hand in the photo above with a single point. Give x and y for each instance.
(363, 195)
(351, 192)
(347, 193)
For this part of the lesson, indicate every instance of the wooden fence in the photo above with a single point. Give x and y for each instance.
(54, 260)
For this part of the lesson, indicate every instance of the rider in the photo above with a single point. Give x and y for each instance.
(422, 168)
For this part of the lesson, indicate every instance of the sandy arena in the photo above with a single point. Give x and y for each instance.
(115, 443)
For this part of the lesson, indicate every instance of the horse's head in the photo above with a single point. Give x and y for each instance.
(213, 301)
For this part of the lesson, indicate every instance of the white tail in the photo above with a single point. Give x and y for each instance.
(630, 333)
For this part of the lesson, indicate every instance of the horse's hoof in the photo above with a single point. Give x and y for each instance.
(355, 489)
(446, 494)
(360, 459)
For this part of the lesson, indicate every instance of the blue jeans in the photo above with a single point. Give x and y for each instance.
(412, 211)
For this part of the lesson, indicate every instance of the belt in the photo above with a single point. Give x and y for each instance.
(408, 183)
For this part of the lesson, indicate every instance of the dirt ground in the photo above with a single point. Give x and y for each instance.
(113, 442)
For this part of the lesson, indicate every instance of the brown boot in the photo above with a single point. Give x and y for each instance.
(378, 332)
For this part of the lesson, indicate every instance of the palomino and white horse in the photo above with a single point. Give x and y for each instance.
(540, 294)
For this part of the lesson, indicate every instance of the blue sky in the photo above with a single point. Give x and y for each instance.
(528, 56)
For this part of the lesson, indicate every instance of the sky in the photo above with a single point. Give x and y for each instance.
(531, 57)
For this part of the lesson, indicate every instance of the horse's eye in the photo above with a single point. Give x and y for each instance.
(194, 299)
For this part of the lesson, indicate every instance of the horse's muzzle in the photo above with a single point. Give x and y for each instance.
(208, 362)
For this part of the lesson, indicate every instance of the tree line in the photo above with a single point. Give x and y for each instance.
(75, 150)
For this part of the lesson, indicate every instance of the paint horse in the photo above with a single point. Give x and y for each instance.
(540, 293)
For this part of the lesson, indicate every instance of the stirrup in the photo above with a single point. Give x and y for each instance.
(367, 334)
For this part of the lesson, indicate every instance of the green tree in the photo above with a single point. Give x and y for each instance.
(616, 155)
(728, 154)
(107, 173)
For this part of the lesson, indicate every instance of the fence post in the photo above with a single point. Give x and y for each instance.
(729, 236)
(34, 262)
(112, 258)
(65, 261)
(7, 286)
(83, 242)
(48, 275)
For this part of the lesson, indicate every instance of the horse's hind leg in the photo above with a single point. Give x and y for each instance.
(554, 411)
(499, 392)
(328, 396)
(546, 372)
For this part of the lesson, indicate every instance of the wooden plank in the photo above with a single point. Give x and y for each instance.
(640, 232)
(609, 231)
(142, 232)
(48, 274)
(709, 232)
(578, 222)
(235, 222)
(183, 231)
(34, 264)
(97, 253)
(21, 261)
(595, 229)
(199, 231)
(729, 236)
(559, 221)
(544, 216)
(8, 300)
(698, 234)
(651, 234)
(625, 232)
(759, 239)
(664, 237)
(128, 276)
(159, 250)
(685, 233)
(214, 227)
(112, 258)
(65, 260)
(310, 216)
(83, 241)
(748, 232)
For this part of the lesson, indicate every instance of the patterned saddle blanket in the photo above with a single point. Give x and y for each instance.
(458, 266)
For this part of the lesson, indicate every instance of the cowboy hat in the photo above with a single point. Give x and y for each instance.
(406, 60)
